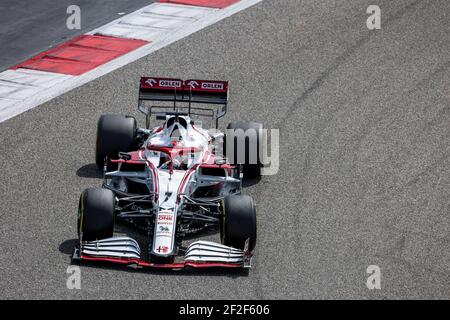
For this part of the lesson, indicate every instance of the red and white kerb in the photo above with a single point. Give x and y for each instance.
(89, 56)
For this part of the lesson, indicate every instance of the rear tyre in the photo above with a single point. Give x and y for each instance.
(96, 214)
(115, 133)
(239, 221)
(252, 163)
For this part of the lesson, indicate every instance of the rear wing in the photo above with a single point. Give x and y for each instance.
(187, 91)
(195, 91)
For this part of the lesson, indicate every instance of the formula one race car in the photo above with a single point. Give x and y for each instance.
(173, 182)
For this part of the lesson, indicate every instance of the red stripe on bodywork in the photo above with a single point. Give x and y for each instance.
(146, 264)
(81, 54)
(220, 4)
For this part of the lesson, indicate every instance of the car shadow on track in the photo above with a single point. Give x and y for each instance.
(219, 272)
(68, 246)
(250, 182)
(90, 171)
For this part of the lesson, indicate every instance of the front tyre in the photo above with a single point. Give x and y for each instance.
(96, 214)
(239, 221)
(115, 133)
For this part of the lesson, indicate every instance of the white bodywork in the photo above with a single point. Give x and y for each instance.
(172, 183)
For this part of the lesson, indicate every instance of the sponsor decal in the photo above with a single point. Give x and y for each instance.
(162, 249)
(164, 232)
(164, 229)
(212, 85)
(170, 83)
(193, 84)
(150, 82)
(165, 217)
(205, 85)
(163, 83)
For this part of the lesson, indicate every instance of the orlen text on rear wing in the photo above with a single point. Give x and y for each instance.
(187, 91)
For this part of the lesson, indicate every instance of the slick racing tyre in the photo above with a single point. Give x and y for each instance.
(239, 221)
(96, 214)
(250, 133)
(115, 133)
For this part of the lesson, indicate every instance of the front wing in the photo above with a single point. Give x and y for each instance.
(199, 254)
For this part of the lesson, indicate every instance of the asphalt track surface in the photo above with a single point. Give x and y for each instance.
(364, 176)
(30, 27)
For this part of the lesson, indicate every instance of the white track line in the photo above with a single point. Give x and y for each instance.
(154, 21)
(19, 88)
(182, 22)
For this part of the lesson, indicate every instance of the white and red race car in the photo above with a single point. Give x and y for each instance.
(173, 182)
